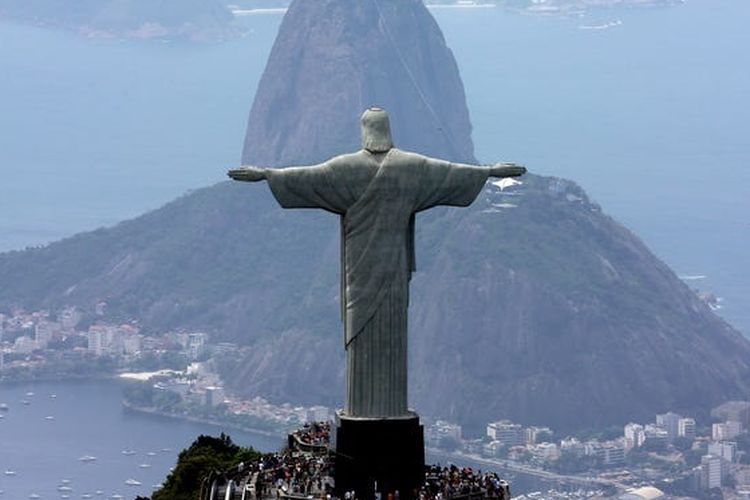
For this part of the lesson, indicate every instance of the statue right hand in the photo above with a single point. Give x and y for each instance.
(507, 170)
(247, 174)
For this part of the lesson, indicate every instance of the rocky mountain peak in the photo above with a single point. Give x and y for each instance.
(334, 58)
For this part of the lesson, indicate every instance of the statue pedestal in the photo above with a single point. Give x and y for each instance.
(388, 452)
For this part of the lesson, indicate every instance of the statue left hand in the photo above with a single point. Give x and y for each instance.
(247, 174)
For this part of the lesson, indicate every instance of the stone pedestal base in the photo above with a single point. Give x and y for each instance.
(388, 452)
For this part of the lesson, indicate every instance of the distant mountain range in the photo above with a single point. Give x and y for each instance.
(189, 19)
(532, 304)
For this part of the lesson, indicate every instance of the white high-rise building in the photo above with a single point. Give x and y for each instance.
(686, 428)
(712, 471)
(634, 436)
(727, 450)
(726, 431)
(97, 341)
(508, 433)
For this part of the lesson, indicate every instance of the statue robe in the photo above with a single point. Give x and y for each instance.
(377, 196)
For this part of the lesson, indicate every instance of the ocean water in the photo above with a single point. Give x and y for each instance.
(650, 115)
(90, 421)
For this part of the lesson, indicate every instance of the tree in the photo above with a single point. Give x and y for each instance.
(206, 454)
(682, 443)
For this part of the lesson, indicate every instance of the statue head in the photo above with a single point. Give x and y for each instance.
(376, 131)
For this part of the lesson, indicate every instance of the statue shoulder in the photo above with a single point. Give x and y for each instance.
(409, 157)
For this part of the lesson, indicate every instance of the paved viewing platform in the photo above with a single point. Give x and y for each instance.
(304, 471)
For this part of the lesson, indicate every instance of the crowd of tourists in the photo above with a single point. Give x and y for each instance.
(456, 482)
(305, 469)
(314, 434)
(291, 474)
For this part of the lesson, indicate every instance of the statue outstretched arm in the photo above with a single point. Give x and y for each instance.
(248, 174)
(506, 170)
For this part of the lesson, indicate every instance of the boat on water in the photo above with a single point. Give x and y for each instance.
(117, 497)
(9, 472)
(144, 466)
(53, 396)
(64, 488)
(166, 450)
(4, 407)
(133, 482)
(35, 495)
(87, 495)
(151, 454)
(49, 417)
(65, 481)
(87, 458)
(128, 453)
(29, 394)
(25, 402)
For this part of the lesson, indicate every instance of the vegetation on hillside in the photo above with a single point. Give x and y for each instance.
(205, 455)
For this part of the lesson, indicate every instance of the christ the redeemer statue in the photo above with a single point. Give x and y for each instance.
(377, 191)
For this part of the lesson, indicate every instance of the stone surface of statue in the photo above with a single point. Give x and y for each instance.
(376, 192)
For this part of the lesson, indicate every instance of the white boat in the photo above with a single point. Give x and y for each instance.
(65, 481)
(34, 495)
(99, 492)
(144, 466)
(4, 407)
(166, 450)
(25, 402)
(9, 472)
(64, 488)
(117, 497)
(49, 417)
(127, 453)
(87, 458)
(30, 394)
(151, 454)
(133, 482)
(87, 495)
(53, 396)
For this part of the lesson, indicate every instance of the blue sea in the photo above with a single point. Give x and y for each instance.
(647, 108)
(42, 443)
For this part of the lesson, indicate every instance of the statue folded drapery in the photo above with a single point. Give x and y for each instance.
(377, 192)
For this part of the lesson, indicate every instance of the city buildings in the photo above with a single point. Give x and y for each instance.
(506, 433)
(670, 423)
(634, 436)
(686, 428)
(711, 472)
(726, 431)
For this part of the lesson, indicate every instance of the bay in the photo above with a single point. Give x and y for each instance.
(89, 420)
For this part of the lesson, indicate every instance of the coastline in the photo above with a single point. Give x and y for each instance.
(58, 378)
(199, 420)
